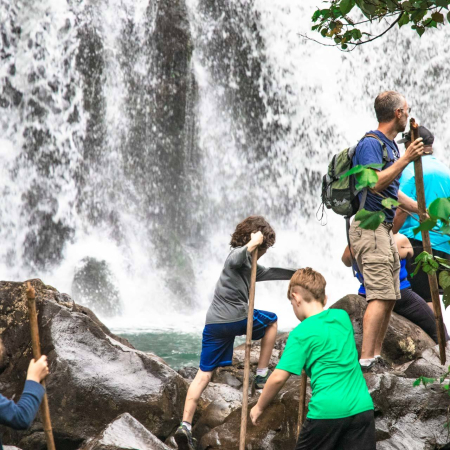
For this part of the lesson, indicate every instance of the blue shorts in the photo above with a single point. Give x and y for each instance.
(218, 339)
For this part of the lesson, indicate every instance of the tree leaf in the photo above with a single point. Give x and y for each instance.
(359, 168)
(443, 262)
(346, 6)
(417, 382)
(448, 16)
(389, 203)
(427, 225)
(438, 17)
(443, 3)
(444, 279)
(369, 220)
(440, 209)
(427, 380)
(404, 19)
(366, 178)
(446, 297)
(422, 256)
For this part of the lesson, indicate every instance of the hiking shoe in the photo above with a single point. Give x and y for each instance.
(259, 381)
(382, 364)
(183, 438)
(368, 369)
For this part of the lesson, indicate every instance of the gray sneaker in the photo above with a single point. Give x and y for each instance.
(183, 438)
(259, 382)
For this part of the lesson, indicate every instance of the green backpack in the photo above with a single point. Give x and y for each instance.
(341, 195)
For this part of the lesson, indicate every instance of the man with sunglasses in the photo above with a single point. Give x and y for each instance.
(375, 251)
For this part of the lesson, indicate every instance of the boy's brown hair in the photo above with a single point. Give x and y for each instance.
(253, 224)
(310, 284)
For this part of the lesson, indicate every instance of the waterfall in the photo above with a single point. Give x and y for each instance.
(136, 134)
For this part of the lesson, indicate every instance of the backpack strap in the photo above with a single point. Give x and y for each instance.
(383, 146)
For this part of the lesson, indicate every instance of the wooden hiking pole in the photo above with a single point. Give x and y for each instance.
(248, 346)
(45, 411)
(432, 278)
(302, 402)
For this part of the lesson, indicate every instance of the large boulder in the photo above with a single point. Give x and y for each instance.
(406, 418)
(95, 376)
(404, 340)
(125, 433)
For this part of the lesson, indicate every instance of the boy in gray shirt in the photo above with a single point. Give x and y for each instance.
(227, 316)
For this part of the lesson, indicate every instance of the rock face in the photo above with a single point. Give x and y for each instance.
(95, 376)
(404, 341)
(125, 433)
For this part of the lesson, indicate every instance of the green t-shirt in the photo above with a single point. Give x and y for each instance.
(324, 346)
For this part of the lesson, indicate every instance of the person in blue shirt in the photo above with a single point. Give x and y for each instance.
(375, 250)
(436, 177)
(20, 415)
(410, 305)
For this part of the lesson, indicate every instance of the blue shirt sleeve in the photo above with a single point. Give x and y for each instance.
(369, 151)
(20, 415)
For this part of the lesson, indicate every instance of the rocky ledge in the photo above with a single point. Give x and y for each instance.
(106, 395)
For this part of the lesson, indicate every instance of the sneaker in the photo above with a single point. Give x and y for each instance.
(367, 369)
(259, 381)
(183, 438)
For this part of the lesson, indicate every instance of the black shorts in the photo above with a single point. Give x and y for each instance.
(419, 283)
(350, 433)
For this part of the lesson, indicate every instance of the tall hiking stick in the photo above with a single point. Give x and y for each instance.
(248, 346)
(432, 278)
(45, 411)
(302, 402)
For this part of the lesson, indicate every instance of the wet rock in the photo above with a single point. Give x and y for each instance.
(404, 340)
(239, 355)
(125, 432)
(93, 286)
(428, 365)
(188, 372)
(95, 376)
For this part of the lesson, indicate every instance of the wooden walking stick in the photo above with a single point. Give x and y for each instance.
(45, 411)
(302, 402)
(248, 346)
(432, 278)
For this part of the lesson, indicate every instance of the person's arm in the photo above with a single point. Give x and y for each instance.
(274, 384)
(273, 273)
(238, 256)
(404, 246)
(387, 176)
(399, 220)
(347, 257)
(408, 203)
(20, 415)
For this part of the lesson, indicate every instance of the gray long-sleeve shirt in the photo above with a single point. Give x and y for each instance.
(230, 302)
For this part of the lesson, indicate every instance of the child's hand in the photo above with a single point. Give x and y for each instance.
(38, 370)
(255, 413)
(257, 238)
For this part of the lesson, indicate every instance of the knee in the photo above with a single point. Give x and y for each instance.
(204, 377)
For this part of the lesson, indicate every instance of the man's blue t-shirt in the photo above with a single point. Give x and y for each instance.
(370, 151)
(436, 177)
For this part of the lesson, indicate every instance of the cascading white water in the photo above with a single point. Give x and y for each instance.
(110, 173)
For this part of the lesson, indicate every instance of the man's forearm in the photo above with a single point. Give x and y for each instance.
(387, 176)
(408, 203)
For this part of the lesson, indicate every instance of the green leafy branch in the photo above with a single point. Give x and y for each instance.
(366, 177)
(335, 23)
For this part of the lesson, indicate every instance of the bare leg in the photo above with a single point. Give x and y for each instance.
(267, 343)
(430, 304)
(383, 329)
(376, 313)
(196, 389)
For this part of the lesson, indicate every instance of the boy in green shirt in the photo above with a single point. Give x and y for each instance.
(340, 413)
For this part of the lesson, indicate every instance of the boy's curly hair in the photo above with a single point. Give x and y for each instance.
(252, 224)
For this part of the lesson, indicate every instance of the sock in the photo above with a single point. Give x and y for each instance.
(187, 425)
(366, 362)
(262, 372)
(377, 357)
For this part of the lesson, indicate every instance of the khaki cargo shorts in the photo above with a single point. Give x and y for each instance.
(377, 257)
